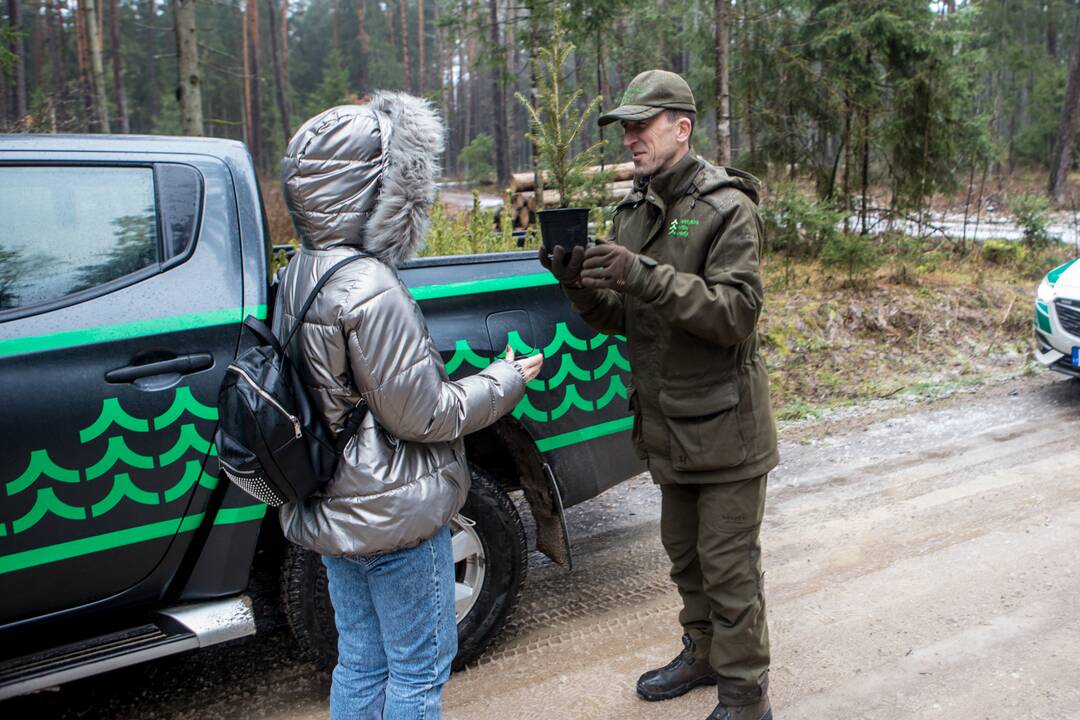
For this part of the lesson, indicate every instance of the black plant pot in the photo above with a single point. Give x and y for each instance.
(568, 227)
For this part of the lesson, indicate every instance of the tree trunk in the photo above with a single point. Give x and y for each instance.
(97, 64)
(498, 92)
(444, 64)
(512, 53)
(256, 144)
(406, 69)
(335, 21)
(58, 100)
(118, 69)
(84, 66)
(1062, 157)
(723, 86)
(280, 82)
(18, 49)
(37, 45)
(149, 38)
(189, 81)
(466, 77)
(421, 36)
(457, 94)
(363, 40)
(1051, 30)
(534, 75)
(748, 112)
(284, 41)
(865, 168)
(846, 187)
(390, 22)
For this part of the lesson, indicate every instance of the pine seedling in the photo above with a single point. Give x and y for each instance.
(555, 126)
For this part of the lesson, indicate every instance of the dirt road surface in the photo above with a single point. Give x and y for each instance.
(921, 562)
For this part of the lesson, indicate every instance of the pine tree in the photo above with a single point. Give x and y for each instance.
(554, 125)
(189, 78)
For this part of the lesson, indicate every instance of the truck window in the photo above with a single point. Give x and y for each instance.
(179, 197)
(71, 229)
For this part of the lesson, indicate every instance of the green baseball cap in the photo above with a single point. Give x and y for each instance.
(650, 93)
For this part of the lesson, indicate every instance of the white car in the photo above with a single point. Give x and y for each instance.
(1057, 319)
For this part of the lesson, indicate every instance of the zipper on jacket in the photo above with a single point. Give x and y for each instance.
(269, 398)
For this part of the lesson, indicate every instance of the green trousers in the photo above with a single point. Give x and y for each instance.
(710, 533)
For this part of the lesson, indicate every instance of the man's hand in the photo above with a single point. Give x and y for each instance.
(565, 267)
(607, 266)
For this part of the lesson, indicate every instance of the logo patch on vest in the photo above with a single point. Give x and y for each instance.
(680, 227)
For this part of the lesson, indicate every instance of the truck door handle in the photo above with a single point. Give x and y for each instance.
(182, 365)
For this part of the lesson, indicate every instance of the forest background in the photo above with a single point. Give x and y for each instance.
(861, 116)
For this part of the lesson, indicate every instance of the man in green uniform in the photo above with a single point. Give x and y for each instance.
(681, 281)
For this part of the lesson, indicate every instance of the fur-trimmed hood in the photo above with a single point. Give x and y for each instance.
(364, 175)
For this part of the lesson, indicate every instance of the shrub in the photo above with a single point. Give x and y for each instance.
(1002, 252)
(469, 233)
(856, 255)
(478, 159)
(798, 225)
(1031, 213)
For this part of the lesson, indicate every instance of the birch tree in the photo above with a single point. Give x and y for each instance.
(723, 85)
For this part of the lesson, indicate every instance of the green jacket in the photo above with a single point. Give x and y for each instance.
(689, 311)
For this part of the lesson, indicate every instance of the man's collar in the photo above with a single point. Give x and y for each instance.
(675, 182)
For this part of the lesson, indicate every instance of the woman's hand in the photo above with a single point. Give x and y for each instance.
(528, 367)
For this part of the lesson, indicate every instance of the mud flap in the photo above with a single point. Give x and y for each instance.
(542, 492)
(554, 541)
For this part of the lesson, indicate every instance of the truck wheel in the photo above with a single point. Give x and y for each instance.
(490, 563)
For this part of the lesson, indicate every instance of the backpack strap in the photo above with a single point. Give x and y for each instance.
(352, 425)
(315, 291)
(260, 330)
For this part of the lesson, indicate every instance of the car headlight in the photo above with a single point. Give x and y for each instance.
(1045, 292)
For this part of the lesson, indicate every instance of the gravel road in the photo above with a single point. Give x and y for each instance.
(921, 562)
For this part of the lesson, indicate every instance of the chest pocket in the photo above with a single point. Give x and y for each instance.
(703, 426)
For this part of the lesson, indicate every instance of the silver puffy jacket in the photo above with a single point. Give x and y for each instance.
(362, 176)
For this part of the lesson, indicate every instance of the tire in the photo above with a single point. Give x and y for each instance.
(306, 601)
(490, 560)
(504, 556)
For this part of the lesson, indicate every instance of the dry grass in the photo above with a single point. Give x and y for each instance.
(826, 345)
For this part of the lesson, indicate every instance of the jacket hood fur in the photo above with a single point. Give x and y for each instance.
(364, 176)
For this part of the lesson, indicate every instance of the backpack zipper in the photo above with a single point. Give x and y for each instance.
(269, 398)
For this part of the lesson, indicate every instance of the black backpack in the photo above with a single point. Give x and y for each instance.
(270, 440)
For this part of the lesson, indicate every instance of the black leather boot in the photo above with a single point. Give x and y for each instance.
(685, 672)
(738, 704)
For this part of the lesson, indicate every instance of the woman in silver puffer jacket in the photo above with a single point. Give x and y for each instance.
(360, 178)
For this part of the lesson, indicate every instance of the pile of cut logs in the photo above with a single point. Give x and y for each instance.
(523, 191)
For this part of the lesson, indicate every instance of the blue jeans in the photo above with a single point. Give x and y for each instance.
(396, 631)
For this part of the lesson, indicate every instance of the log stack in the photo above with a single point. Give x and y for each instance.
(523, 191)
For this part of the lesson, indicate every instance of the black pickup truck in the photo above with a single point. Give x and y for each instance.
(126, 267)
